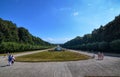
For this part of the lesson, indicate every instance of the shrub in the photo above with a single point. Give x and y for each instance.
(16, 47)
(103, 46)
(115, 45)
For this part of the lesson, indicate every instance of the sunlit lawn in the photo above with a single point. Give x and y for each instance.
(5, 54)
(14, 53)
(48, 56)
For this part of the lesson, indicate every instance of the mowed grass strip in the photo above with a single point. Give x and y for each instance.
(14, 53)
(53, 56)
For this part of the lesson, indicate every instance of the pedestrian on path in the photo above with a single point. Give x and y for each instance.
(13, 59)
(102, 56)
(9, 59)
(99, 55)
(93, 56)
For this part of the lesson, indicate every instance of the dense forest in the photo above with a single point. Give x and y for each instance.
(13, 38)
(105, 39)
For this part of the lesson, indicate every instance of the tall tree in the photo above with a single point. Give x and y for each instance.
(105, 38)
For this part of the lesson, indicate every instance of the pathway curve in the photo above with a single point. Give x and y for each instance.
(110, 66)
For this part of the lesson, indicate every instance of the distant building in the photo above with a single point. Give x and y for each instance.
(58, 48)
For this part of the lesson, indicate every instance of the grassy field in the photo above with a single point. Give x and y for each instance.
(14, 53)
(53, 56)
(5, 54)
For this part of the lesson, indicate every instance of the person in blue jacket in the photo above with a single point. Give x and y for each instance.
(9, 59)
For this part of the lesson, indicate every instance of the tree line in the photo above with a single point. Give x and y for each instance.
(13, 38)
(105, 38)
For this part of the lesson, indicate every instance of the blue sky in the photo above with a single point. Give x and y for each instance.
(58, 21)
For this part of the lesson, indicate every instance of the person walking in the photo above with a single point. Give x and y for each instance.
(102, 56)
(99, 55)
(9, 59)
(13, 59)
(93, 56)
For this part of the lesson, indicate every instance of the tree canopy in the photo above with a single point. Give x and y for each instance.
(105, 38)
(12, 36)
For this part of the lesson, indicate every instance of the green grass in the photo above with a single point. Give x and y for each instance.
(20, 52)
(5, 54)
(48, 56)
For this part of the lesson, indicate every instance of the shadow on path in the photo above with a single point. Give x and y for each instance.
(5, 65)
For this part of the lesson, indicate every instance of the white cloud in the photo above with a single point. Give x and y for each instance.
(75, 13)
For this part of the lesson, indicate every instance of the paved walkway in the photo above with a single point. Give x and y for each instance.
(110, 66)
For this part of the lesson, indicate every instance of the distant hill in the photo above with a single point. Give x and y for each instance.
(13, 38)
(105, 39)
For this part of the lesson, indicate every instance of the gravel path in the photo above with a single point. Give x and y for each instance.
(110, 66)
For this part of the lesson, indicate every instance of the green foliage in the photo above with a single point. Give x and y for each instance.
(8, 31)
(89, 46)
(83, 47)
(24, 36)
(18, 39)
(103, 46)
(19, 47)
(115, 45)
(95, 46)
(101, 39)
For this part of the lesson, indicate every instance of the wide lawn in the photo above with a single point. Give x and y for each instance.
(52, 56)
